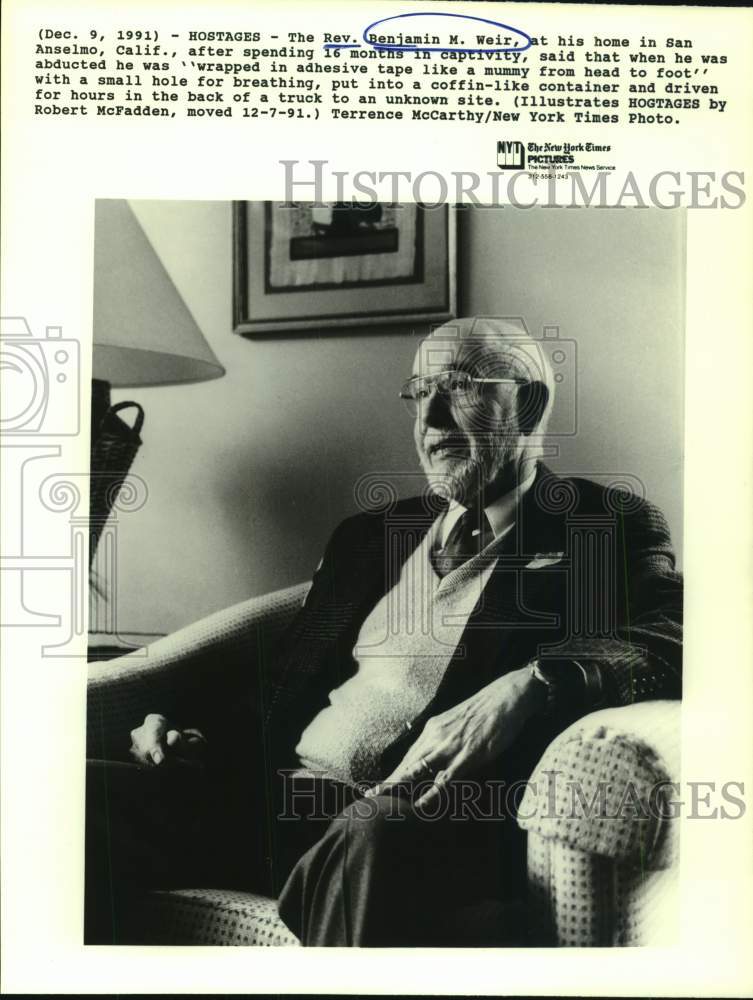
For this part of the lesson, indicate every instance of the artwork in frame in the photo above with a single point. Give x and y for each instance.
(305, 266)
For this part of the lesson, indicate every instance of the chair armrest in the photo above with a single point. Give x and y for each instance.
(598, 785)
(190, 674)
(602, 835)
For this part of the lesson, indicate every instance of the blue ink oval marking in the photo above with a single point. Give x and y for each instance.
(447, 48)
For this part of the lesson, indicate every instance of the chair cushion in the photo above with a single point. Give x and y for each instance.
(203, 916)
(228, 917)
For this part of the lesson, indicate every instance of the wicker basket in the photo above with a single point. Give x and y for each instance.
(113, 448)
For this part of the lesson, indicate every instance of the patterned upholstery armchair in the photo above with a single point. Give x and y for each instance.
(605, 880)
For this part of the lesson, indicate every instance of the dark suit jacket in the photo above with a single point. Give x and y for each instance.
(587, 573)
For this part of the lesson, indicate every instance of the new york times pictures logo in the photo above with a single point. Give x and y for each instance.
(511, 155)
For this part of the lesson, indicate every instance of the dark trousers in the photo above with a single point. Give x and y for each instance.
(353, 871)
(386, 874)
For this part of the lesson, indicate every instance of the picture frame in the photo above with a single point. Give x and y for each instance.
(309, 266)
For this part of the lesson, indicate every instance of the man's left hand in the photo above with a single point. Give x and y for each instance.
(470, 735)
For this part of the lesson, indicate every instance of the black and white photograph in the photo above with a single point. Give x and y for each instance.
(375, 570)
(386, 620)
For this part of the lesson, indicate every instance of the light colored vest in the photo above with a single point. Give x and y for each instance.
(402, 651)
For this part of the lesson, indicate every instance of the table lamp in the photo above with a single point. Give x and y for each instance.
(144, 335)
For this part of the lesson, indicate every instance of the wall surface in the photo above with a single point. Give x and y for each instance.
(247, 475)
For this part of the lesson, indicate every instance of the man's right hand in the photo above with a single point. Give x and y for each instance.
(156, 742)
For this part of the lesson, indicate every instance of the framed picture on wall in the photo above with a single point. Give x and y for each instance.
(305, 266)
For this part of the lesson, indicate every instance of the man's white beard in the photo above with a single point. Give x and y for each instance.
(464, 479)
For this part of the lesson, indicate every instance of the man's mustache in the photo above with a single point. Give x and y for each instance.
(450, 442)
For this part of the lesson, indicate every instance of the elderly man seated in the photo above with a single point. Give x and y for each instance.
(444, 642)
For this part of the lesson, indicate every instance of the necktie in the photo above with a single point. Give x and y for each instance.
(466, 539)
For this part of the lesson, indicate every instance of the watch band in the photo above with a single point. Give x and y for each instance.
(569, 683)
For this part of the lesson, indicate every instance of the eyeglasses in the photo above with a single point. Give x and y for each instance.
(457, 387)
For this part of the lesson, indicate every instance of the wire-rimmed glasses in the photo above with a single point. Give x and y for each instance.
(457, 387)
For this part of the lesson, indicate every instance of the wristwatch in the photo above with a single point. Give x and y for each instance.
(570, 684)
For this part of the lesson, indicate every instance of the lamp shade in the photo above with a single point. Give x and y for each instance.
(144, 333)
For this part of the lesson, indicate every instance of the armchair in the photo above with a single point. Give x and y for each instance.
(592, 882)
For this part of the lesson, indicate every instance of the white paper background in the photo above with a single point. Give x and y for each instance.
(53, 171)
